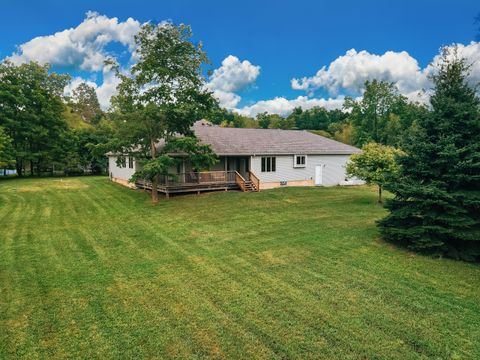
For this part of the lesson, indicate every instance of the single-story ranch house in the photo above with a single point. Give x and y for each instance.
(253, 159)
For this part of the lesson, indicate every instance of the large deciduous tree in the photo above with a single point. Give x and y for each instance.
(161, 97)
(31, 112)
(436, 207)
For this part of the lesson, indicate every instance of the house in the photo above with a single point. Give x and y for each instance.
(253, 159)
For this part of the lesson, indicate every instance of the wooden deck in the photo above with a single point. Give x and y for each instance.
(202, 181)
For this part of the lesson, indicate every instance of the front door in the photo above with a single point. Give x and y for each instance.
(319, 175)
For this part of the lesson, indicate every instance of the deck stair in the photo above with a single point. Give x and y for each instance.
(250, 185)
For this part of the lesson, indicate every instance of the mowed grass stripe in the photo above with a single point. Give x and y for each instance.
(288, 273)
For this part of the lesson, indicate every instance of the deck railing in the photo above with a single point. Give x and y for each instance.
(202, 181)
(192, 178)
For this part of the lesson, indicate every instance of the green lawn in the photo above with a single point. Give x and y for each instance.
(89, 269)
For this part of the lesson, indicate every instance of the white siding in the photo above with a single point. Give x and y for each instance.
(333, 170)
(124, 173)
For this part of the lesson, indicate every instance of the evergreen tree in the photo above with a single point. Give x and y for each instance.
(436, 208)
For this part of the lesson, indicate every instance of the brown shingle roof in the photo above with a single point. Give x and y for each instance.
(240, 141)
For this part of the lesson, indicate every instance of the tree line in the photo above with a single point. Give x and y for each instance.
(381, 115)
(44, 132)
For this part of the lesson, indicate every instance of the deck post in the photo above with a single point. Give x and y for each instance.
(183, 170)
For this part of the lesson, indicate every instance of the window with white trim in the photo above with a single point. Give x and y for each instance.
(130, 162)
(122, 162)
(299, 161)
(269, 163)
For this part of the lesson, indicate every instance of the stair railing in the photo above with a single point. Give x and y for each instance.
(255, 180)
(240, 181)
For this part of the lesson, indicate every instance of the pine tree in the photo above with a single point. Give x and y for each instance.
(436, 207)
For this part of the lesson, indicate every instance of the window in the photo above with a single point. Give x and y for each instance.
(121, 162)
(269, 163)
(130, 162)
(300, 161)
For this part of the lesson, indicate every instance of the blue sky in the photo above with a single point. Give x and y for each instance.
(285, 39)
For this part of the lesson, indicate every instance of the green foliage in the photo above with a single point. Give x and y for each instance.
(376, 164)
(382, 115)
(74, 120)
(7, 152)
(274, 121)
(152, 168)
(239, 121)
(86, 140)
(31, 112)
(162, 97)
(199, 155)
(436, 207)
(84, 102)
(341, 132)
(46, 135)
(220, 115)
(317, 118)
(322, 133)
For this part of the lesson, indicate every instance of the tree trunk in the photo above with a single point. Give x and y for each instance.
(380, 201)
(153, 152)
(18, 166)
(31, 168)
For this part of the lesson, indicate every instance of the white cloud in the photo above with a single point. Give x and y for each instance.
(82, 47)
(470, 52)
(228, 100)
(85, 48)
(284, 107)
(108, 88)
(350, 71)
(234, 75)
